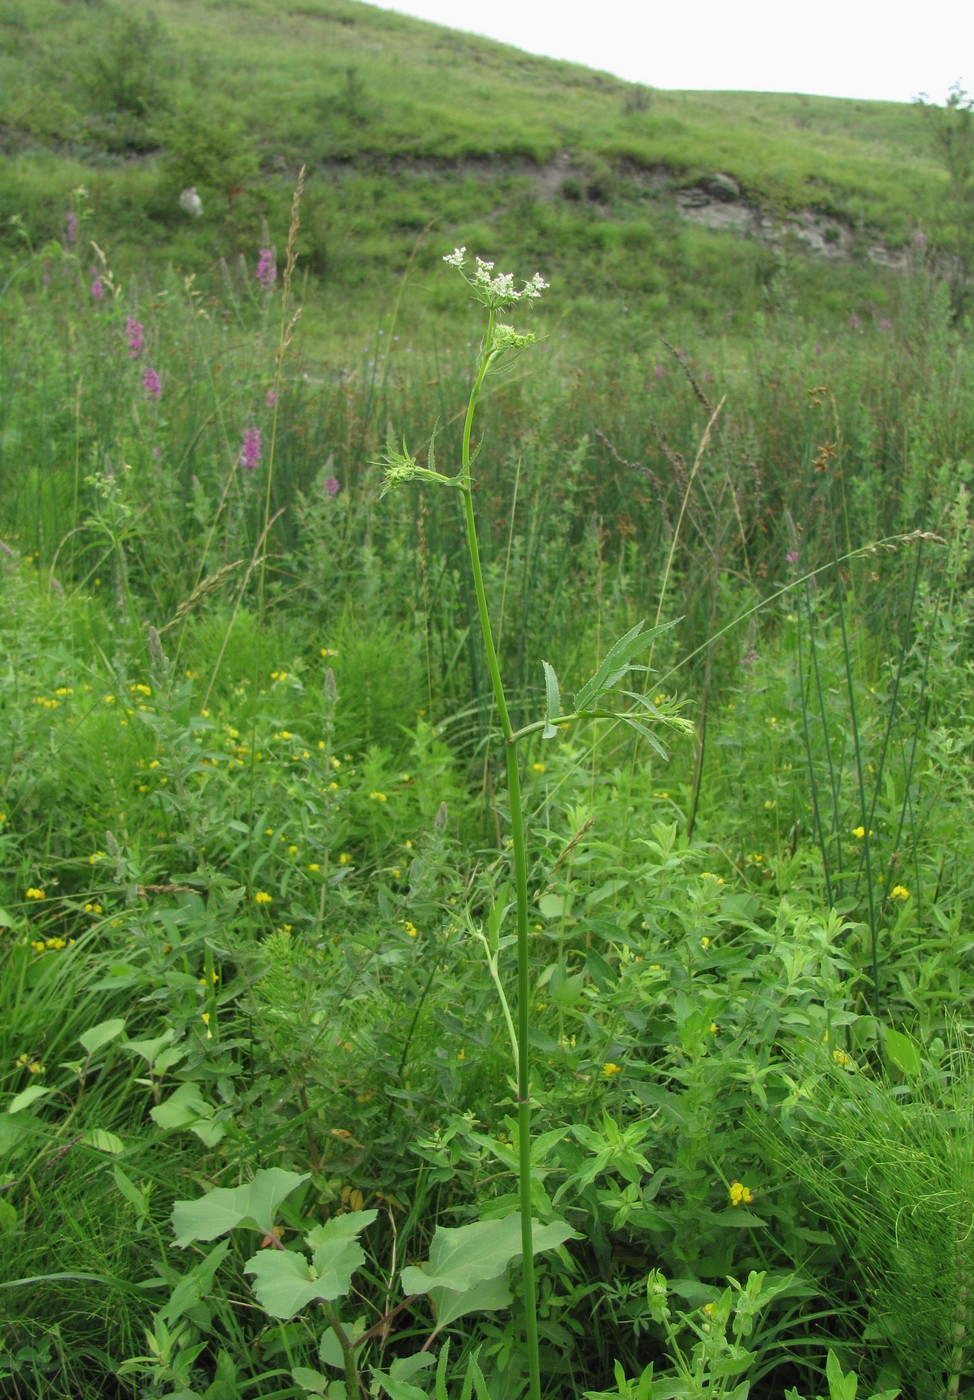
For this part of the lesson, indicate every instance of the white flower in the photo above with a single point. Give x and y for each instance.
(497, 290)
(190, 201)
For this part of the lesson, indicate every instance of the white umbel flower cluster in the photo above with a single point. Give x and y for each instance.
(495, 290)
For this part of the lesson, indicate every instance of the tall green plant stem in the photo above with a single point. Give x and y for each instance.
(520, 883)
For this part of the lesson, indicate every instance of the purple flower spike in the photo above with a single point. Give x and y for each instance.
(331, 486)
(151, 384)
(133, 337)
(266, 271)
(97, 288)
(250, 455)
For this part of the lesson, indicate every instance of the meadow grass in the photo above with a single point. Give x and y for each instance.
(253, 860)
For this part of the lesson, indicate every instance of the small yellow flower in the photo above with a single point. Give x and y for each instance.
(713, 1028)
(409, 926)
(859, 832)
(740, 1195)
(378, 797)
(262, 897)
(537, 767)
(841, 1058)
(292, 850)
(33, 893)
(314, 867)
(899, 892)
(344, 858)
(708, 1308)
(461, 1054)
(610, 1070)
(705, 942)
(328, 651)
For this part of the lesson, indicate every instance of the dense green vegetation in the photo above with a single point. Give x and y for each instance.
(262, 1127)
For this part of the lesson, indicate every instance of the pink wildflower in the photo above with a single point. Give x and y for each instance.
(250, 454)
(266, 271)
(151, 384)
(133, 333)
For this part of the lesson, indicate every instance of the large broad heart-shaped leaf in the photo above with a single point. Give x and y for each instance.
(285, 1283)
(254, 1204)
(462, 1258)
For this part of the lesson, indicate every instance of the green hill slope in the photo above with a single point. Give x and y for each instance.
(405, 126)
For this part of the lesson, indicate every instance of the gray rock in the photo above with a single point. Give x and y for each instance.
(720, 186)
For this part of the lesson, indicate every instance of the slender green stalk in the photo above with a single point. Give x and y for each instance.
(520, 884)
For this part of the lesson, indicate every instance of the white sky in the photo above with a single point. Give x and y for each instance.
(887, 50)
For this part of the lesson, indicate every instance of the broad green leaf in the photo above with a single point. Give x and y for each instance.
(102, 1034)
(253, 1205)
(284, 1282)
(5, 920)
(903, 1053)
(9, 1219)
(149, 1049)
(336, 1251)
(103, 1141)
(841, 1387)
(312, 1381)
(470, 1254)
(489, 1296)
(552, 702)
(28, 1096)
(397, 1382)
(187, 1108)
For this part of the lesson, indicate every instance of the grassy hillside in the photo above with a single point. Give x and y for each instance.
(416, 137)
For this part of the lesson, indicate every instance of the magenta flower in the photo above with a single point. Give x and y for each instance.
(250, 453)
(271, 399)
(792, 556)
(72, 226)
(658, 371)
(151, 384)
(266, 271)
(133, 337)
(331, 486)
(854, 322)
(97, 288)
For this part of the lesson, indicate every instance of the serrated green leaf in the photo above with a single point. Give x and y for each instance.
(253, 1205)
(618, 661)
(102, 1034)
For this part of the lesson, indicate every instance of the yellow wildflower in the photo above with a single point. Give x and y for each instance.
(859, 832)
(899, 892)
(33, 893)
(537, 767)
(262, 897)
(378, 797)
(610, 1070)
(740, 1195)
